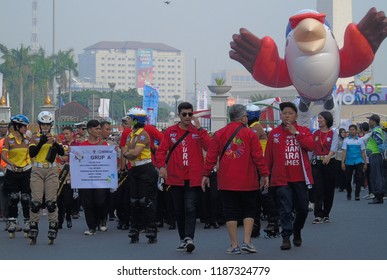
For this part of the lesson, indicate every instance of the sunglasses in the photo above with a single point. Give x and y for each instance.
(190, 114)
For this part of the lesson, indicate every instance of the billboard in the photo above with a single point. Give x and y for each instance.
(144, 66)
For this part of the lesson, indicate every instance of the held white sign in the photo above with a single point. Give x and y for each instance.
(93, 167)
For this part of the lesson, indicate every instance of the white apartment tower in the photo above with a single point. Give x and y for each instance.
(132, 64)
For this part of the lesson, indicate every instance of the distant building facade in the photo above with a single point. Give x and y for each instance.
(132, 64)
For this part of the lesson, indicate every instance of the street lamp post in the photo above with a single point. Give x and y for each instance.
(176, 97)
(112, 86)
(59, 81)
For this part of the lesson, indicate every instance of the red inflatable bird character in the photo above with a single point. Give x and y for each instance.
(313, 62)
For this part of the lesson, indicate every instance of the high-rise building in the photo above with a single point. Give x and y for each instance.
(132, 65)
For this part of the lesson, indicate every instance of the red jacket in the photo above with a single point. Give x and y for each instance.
(186, 160)
(238, 167)
(275, 155)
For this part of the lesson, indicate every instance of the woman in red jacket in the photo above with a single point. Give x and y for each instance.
(287, 158)
(182, 170)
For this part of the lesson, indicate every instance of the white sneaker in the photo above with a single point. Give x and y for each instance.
(190, 246)
(318, 220)
(182, 247)
(371, 196)
(90, 232)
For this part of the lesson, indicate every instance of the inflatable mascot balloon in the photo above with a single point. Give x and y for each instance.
(313, 62)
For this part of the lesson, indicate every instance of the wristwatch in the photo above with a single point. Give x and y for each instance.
(297, 132)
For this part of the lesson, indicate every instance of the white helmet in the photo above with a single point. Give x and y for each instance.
(252, 108)
(137, 113)
(253, 111)
(45, 117)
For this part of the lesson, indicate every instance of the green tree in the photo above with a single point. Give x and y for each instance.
(64, 62)
(21, 60)
(41, 73)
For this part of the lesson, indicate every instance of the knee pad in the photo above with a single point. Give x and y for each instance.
(35, 206)
(14, 199)
(143, 202)
(134, 202)
(25, 199)
(51, 206)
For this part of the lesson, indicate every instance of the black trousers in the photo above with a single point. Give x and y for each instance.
(143, 196)
(94, 202)
(349, 169)
(323, 190)
(65, 203)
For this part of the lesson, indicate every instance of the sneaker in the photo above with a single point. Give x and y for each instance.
(190, 246)
(318, 220)
(326, 220)
(90, 232)
(311, 207)
(376, 201)
(249, 248)
(366, 196)
(357, 198)
(233, 251)
(182, 247)
(371, 196)
(102, 225)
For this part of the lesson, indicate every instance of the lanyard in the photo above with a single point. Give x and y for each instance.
(323, 142)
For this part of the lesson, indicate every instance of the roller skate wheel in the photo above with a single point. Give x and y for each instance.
(12, 235)
(152, 241)
(26, 235)
(134, 240)
(33, 241)
(50, 241)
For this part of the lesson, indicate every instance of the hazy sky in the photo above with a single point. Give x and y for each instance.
(202, 29)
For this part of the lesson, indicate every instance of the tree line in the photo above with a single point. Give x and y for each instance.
(28, 77)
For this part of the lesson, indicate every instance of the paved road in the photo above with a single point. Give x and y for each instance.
(357, 231)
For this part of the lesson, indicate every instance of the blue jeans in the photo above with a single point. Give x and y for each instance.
(294, 196)
(185, 200)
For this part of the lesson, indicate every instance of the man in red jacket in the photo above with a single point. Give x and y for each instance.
(240, 161)
(182, 170)
(286, 156)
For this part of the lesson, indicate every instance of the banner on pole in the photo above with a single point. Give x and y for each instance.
(150, 103)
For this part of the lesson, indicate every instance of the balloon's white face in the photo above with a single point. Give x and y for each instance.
(313, 74)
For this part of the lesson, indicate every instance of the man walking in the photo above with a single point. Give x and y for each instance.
(375, 150)
(239, 152)
(286, 156)
(182, 170)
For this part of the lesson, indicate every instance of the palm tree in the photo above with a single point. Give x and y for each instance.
(41, 72)
(64, 61)
(18, 63)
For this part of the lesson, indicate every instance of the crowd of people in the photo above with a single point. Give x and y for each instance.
(234, 177)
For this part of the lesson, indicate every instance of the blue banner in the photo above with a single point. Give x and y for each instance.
(150, 103)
